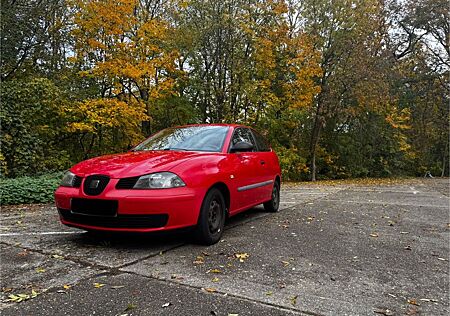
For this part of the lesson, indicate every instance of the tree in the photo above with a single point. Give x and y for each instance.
(32, 119)
(34, 36)
(125, 49)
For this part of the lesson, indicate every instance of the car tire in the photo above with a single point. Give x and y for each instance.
(211, 219)
(274, 204)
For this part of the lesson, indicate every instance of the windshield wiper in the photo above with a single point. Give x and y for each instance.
(174, 148)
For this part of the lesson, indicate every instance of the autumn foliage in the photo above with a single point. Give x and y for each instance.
(340, 88)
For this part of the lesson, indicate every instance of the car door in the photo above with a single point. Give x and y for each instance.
(267, 166)
(247, 171)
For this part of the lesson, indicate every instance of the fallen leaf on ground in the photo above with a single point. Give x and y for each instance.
(413, 302)
(17, 298)
(40, 270)
(66, 286)
(214, 271)
(199, 260)
(293, 300)
(210, 290)
(98, 285)
(269, 293)
(241, 256)
(130, 307)
(57, 256)
(285, 263)
(215, 279)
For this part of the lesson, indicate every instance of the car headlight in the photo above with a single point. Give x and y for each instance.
(68, 179)
(159, 180)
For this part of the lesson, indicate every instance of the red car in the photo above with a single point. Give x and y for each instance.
(194, 175)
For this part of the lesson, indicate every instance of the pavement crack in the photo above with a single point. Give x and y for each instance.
(221, 293)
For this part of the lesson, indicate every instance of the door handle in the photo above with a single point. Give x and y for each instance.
(262, 162)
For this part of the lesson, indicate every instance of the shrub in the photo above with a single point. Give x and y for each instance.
(25, 190)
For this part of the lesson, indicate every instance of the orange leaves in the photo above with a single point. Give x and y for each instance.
(304, 66)
(123, 50)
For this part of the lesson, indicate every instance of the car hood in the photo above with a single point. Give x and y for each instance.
(133, 164)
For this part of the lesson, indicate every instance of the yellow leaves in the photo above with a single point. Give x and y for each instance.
(241, 256)
(199, 260)
(98, 285)
(127, 54)
(56, 256)
(107, 17)
(95, 114)
(304, 67)
(399, 118)
(17, 298)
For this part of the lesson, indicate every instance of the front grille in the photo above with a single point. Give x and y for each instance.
(94, 185)
(126, 183)
(77, 181)
(94, 207)
(120, 221)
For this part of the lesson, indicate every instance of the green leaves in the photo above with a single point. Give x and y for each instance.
(26, 190)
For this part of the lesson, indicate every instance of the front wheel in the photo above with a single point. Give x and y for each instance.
(274, 203)
(212, 218)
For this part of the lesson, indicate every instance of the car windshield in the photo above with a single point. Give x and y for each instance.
(190, 138)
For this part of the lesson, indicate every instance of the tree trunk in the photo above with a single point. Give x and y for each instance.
(315, 135)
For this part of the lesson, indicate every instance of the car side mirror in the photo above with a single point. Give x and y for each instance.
(241, 147)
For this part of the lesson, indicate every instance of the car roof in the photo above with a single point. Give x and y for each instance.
(215, 124)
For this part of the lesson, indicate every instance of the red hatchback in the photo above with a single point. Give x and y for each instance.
(194, 175)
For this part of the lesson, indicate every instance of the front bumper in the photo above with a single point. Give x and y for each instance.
(137, 210)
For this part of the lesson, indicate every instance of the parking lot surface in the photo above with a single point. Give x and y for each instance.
(340, 249)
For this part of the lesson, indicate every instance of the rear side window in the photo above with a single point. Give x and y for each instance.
(261, 142)
(243, 135)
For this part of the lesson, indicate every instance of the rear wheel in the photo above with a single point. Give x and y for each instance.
(274, 204)
(212, 218)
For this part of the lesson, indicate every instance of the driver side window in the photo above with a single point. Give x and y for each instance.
(243, 135)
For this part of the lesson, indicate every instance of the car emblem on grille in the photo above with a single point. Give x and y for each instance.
(94, 184)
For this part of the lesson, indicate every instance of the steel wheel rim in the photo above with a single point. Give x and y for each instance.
(275, 196)
(215, 215)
